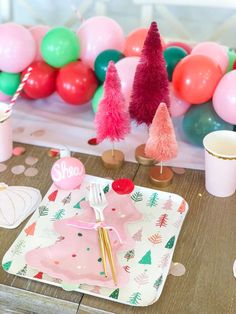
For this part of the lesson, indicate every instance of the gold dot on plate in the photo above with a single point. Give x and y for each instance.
(200, 194)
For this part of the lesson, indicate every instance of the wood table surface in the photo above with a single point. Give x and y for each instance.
(206, 246)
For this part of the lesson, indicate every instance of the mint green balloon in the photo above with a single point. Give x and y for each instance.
(60, 46)
(232, 58)
(201, 120)
(9, 83)
(97, 97)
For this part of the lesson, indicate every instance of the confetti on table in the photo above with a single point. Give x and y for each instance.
(18, 130)
(3, 167)
(19, 150)
(177, 269)
(53, 152)
(93, 141)
(38, 133)
(30, 160)
(19, 169)
(31, 172)
(178, 170)
(234, 268)
(68, 286)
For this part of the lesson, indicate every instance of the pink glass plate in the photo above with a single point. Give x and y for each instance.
(75, 258)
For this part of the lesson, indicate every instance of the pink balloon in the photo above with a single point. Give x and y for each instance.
(224, 98)
(38, 32)
(17, 48)
(178, 106)
(126, 68)
(4, 98)
(68, 173)
(214, 51)
(98, 34)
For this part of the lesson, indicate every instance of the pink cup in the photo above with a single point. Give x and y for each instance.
(220, 163)
(6, 142)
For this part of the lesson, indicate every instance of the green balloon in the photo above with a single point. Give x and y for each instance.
(172, 56)
(232, 58)
(201, 120)
(97, 97)
(60, 46)
(102, 61)
(9, 82)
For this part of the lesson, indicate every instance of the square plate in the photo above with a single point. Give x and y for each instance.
(148, 262)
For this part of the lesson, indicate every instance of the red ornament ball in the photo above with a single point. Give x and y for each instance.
(123, 186)
(93, 141)
(76, 83)
(41, 82)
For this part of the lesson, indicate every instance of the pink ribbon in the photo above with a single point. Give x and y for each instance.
(95, 226)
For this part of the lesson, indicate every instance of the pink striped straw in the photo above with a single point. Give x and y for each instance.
(19, 89)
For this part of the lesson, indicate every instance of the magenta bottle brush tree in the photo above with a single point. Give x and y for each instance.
(161, 145)
(151, 86)
(112, 118)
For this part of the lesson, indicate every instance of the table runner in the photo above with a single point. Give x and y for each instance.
(73, 126)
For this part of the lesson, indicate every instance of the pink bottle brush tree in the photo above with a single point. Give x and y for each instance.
(151, 86)
(161, 145)
(112, 119)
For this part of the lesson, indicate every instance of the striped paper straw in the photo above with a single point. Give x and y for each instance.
(19, 89)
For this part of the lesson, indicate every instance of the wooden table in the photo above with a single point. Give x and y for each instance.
(206, 246)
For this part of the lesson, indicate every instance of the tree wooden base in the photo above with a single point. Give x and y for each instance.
(141, 157)
(113, 162)
(159, 179)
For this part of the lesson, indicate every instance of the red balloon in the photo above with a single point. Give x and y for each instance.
(42, 80)
(234, 65)
(195, 78)
(76, 83)
(24, 95)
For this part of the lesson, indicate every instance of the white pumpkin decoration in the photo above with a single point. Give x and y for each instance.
(16, 204)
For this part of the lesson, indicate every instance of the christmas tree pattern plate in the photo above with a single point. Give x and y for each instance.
(144, 262)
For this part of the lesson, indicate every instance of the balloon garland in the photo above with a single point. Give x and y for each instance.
(74, 64)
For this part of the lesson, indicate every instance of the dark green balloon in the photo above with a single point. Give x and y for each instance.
(172, 56)
(102, 61)
(201, 120)
(9, 83)
(60, 46)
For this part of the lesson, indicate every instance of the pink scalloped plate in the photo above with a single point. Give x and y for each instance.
(76, 258)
